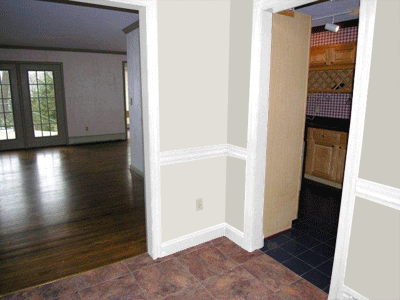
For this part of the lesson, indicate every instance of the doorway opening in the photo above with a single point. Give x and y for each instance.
(126, 96)
(301, 229)
(78, 207)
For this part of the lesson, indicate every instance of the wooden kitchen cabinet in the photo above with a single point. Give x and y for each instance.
(332, 56)
(326, 154)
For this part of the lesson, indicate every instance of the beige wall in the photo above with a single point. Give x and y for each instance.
(379, 160)
(235, 192)
(373, 265)
(193, 76)
(286, 119)
(193, 47)
(181, 185)
(239, 71)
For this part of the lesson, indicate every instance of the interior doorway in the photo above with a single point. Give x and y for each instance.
(33, 106)
(367, 13)
(126, 96)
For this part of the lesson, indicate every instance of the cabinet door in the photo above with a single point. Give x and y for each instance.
(343, 54)
(320, 160)
(319, 56)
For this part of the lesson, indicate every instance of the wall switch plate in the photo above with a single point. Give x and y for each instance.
(87, 128)
(199, 204)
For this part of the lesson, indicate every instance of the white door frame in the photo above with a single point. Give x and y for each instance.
(257, 130)
(150, 107)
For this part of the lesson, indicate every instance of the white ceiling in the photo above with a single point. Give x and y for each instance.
(49, 24)
(332, 7)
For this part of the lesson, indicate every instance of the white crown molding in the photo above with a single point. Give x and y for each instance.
(379, 193)
(202, 236)
(185, 155)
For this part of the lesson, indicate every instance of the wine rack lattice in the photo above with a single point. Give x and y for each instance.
(331, 81)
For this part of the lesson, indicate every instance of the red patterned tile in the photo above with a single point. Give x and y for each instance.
(100, 275)
(163, 279)
(31, 294)
(194, 292)
(272, 274)
(235, 252)
(58, 288)
(206, 262)
(302, 290)
(224, 244)
(73, 296)
(236, 284)
(143, 261)
(124, 287)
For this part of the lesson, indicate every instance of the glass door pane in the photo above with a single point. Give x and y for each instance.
(43, 104)
(11, 133)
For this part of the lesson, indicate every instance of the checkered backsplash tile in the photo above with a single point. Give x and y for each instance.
(345, 35)
(329, 105)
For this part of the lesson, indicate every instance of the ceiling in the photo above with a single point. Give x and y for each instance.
(33, 23)
(49, 24)
(321, 9)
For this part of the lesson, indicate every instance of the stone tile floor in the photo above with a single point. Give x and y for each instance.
(218, 269)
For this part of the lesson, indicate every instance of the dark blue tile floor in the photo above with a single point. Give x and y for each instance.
(308, 255)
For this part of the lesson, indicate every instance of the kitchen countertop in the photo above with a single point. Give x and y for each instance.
(328, 123)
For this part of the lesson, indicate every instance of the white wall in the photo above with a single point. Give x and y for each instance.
(93, 84)
(135, 93)
(193, 48)
(181, 185)
(241, 19)
(373, 265)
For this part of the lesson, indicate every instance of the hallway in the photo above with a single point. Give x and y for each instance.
(66, 210)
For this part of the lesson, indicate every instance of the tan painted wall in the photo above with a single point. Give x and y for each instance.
(193, 47)
(373, 264)
(239, 71)
(235, 192)
(286, 119)
(181, 185)
(380, 152)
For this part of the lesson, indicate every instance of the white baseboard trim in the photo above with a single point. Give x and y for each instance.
(136, 170)
(202, 236)
(193, 239)
(185, 155)
(379, 193)
(234, 235)
(74, 140)
(346, 293)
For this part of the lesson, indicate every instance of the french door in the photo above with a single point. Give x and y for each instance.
(32, 107)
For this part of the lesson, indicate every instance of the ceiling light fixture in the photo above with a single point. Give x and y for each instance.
(332, 26)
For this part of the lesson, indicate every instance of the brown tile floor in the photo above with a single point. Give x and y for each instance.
(218, 269)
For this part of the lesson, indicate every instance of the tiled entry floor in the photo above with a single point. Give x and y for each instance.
(306, 250)
(218, 269)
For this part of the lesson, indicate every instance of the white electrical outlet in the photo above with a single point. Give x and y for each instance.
(317, 109)
(199, 204)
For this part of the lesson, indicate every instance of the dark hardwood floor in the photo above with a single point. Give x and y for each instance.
(66, 210)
